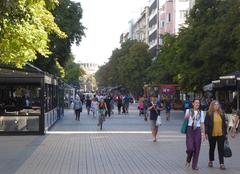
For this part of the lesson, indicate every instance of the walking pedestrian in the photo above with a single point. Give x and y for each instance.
(168, 108)
(94, 105)
(119, 104)
(154, 110)
(77, 106)
(216, 132)
(126, 101)
(195, 133)
(88, 104)
(108, 101)
(102, 108)
(235, 124)
(187, 104)
(112, 105)
(146, 104)
(141, 106)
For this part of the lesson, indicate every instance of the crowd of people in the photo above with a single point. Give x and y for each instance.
(102, 105)
(210, 124)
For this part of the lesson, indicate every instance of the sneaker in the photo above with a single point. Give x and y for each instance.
(187, 164)
(210, 164)
(195, 168)
(222, 167)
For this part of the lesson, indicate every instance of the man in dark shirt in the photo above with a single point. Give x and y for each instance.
(88, 104)
(154, 110)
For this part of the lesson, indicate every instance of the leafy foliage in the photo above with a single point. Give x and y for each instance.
(67, 15)
(127, 67)
(207, 48)
(73, 72)
(24, 29)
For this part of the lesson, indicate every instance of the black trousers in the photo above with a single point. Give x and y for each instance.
(77, 113)
(220, 144)
(119, 109)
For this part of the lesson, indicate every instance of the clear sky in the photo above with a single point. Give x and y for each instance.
(105, 20)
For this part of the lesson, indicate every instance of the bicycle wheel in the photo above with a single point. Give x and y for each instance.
(101, 122)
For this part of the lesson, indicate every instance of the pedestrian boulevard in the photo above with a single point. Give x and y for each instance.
(124, 146)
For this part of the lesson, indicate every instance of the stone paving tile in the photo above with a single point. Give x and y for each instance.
(117, 153)
(105, 152)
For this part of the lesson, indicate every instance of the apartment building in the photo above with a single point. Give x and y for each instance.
(161, 17)
(140, 27)
(153, 24)
(172, 16)
(124, 37)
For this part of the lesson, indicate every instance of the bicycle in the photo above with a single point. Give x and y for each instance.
(101, 118)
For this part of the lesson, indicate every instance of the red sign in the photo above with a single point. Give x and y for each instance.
(168, 89)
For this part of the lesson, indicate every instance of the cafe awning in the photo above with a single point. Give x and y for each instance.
(28, 75)
(208, 87)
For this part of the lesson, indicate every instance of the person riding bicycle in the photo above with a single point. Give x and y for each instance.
(102, 108)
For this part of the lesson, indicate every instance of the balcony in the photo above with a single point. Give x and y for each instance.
(152, 44)
(152, 29)
(154, 13)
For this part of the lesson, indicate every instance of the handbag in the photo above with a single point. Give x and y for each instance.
(184, 126)
(159, 121)
(227, 150)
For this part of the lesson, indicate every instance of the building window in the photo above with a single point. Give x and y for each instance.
(162, 24)
(183, 14)
(169, 17)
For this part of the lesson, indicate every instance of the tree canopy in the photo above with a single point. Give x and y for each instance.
(127, 66)
(68, 15)
(73, 72)
(24, 29)
(207, 47)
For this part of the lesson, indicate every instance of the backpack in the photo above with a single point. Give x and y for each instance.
(187, 104)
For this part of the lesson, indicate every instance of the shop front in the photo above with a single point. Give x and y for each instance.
(29, 101)
(226, 90)
(164, 92)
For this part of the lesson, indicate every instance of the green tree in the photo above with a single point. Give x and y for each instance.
(203, 50)
(73, 72)
(68, 15)
(127, 66)
(24, 29)
(163, 69)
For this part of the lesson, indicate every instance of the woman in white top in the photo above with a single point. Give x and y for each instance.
(94, 106)
(195, 133)
(235, 124)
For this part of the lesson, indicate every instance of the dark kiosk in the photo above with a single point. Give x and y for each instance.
(31, 101)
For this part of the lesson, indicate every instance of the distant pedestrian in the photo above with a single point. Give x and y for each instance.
(216, 132)
(77, 106)
(154, 110)
(145, 110)
(112, 106)
(168, 107)
(102, 108)
(235, 124)
(88, 104)
(194, 137)
(187, 104)
(141, 107)
(119, 104)
(126, 101)
(108, 101)
(94, 106)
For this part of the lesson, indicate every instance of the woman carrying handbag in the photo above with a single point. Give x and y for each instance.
(154, 110)
(195, 133)
(216, 132)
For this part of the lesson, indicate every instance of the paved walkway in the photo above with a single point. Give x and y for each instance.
(123, 147)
